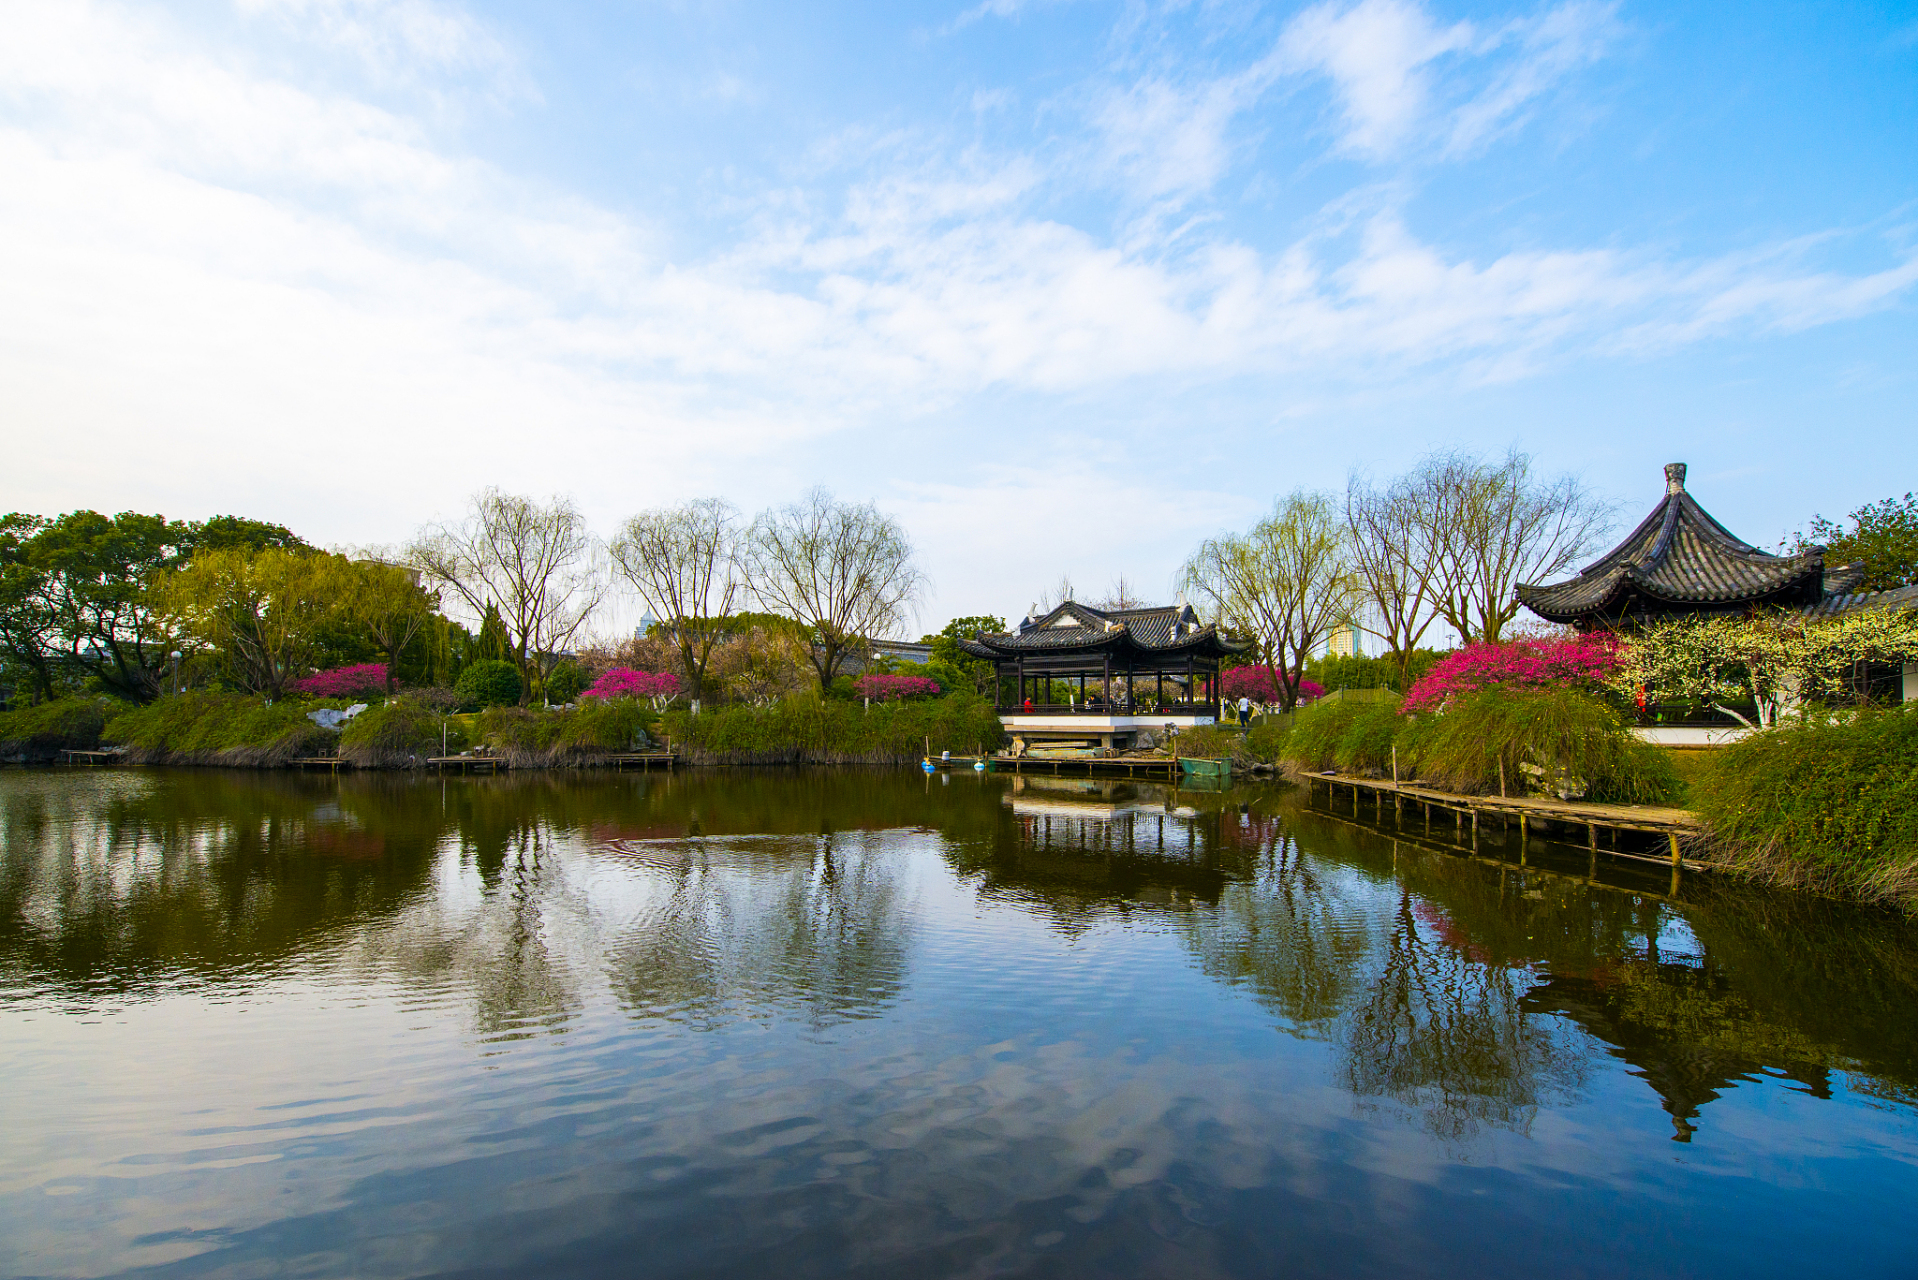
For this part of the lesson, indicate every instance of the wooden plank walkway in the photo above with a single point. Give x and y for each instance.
(467, 764)
(334, 763)
(634, 759)
(1672, 824)
(1109, 766)
(75, 755)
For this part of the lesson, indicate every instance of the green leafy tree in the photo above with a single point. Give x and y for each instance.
(387, 601)
(1883, 537)
(490, 682)
(261, 612)
(952, 666)
(29, 632)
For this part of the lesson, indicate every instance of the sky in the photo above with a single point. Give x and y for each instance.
(1064, 286)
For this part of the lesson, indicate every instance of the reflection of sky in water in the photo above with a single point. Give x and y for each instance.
(963, 1050)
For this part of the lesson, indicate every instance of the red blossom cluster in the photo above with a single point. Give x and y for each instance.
(624, 682)
(895, 688)
(1261, 684)
(365, 680)
(1585, 661)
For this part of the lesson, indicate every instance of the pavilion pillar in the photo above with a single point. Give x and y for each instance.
(1191, 685)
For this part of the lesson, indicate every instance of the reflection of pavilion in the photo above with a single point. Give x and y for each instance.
(1686, 1033)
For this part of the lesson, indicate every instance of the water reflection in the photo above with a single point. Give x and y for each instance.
(855, 1018)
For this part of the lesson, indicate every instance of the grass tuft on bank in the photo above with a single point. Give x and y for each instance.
(236, 729)
(38, 734)
(808, 729)
(1825, 803)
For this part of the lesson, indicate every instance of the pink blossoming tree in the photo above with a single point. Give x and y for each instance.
(657, 687)
(1262, 685)
(895, 688)
(366, 680)
(1586, 661)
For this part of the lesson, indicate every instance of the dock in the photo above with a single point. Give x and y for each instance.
(635, 760)
(467, 764)
(1673, 825)
(1164, 768)
(331, 763)
(74, 755)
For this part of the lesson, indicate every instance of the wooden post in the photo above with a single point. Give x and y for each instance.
(1501, 777)
(1522, 841)
(1673, 837)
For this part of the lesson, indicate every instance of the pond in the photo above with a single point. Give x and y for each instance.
(872, 1023)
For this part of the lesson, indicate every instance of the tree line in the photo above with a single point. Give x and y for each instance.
(135, 605)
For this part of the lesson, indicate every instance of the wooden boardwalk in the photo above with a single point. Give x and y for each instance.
(75, 755)
(1104, 766)
(467, 764)
(1672, 824)
(332, 763)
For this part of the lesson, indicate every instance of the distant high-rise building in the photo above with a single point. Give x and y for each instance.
(1343, 642)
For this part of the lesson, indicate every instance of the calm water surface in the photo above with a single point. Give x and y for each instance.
(875, 1024)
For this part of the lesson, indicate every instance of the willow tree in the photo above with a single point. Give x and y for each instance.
(684, 563)
(537, 564)
(842, 570)
(387, 601)
(262, 613)
(1400, 564)
(1284, 585)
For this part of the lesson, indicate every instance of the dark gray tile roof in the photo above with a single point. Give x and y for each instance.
(1074, 626)
(1679, 555)
(1857, 601)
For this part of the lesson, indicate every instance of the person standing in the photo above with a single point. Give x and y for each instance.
(1245, 711)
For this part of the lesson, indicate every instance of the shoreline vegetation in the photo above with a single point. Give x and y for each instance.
(1826, 804)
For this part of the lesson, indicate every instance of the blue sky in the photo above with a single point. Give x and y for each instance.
(1066, 286)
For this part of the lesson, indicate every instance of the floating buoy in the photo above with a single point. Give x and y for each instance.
(926, 765)
(979, 765)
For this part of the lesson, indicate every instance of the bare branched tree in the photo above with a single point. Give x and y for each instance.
(842, 570)
(684, 563)
(539, 565)
(1497, 525)
(1399, 562)
(1120, 595)
(1284, 585)
(1061, 592)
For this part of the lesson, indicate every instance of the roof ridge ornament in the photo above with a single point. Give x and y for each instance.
(1674, 478)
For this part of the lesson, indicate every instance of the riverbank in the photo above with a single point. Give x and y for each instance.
(231, 730)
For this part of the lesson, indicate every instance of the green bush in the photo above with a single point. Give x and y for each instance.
(566, 682)
(1318, 730)
(1826, 804)
(809, 728)
(39, 732)
(220, 728)
(1366, 745)
(488, 683)
(527, 737)
(397, 733)
(1541, 739)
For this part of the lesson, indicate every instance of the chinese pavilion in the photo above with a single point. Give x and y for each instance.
(1106, 674)
(1681, 561)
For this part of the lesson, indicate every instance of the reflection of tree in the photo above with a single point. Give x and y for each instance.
(1449, 1037)
(1298, 940)
(817, 925)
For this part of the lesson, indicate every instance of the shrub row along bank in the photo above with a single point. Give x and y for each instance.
(232, 729)
(1501, 739)
(37, 735)
(812, 730)
(1828, 804)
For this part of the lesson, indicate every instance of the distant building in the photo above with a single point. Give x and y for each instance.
(1343, 642)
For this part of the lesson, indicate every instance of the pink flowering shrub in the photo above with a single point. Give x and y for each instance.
(1583, 661)
(895, 688)
(658, 687)
(1262, 684)
(368, 679)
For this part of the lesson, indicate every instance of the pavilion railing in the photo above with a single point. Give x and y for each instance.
(1141, 708)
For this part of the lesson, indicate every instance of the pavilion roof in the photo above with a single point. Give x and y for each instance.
(1074, 628)
(1680, 558)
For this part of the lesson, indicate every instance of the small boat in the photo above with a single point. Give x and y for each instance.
(1202, 767)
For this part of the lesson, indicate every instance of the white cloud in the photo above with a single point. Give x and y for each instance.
(228, 284)
(1386, 60)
